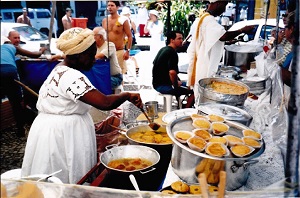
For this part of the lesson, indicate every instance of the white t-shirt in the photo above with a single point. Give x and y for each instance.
(114, 65)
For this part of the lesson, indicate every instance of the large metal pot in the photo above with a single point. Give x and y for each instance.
(209, 95)
(185, 160)
(241, 55)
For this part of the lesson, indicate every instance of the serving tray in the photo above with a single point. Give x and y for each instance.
(235, 128)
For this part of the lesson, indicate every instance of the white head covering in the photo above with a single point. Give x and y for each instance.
(153, 12)
(213, 1)
(125, 10)
(75, 40)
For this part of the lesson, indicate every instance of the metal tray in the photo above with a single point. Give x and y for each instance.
(185, 123)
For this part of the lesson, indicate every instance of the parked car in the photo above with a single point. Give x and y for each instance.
(31, 38)
(102, 13)
(39, 17)
(260, 28)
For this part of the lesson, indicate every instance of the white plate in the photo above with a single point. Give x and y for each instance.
(173, 115)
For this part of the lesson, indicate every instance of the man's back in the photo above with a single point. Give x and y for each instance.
(165, 60)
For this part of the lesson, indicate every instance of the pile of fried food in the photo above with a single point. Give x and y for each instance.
(180, 187)
(156, 137)
(211, 168)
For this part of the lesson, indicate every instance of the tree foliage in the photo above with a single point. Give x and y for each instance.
(179, 14)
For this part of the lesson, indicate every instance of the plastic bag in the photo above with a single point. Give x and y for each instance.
(260, 65)
(107, 135)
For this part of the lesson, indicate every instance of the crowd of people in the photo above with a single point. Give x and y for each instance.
(62, 135)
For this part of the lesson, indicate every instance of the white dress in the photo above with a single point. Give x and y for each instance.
(62, 136)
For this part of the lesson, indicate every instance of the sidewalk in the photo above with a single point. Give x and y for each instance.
(142, 82)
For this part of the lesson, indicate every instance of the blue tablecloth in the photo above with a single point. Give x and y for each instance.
(34, 73)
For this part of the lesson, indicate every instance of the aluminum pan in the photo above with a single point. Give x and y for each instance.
(185, 123)
(210, 94)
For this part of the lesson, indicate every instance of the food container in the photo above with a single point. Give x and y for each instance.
(241, 55)
(183, 136)
(226, 111)
(184, 160)
(130, 151)
(164, 150)
(219, 128)
(229, 72)
(196, 143)
(207, 94)
(256, 84)
(201, 123)
(120, 178)
(202, 133)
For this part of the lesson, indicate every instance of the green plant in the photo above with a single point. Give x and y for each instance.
(179, 11)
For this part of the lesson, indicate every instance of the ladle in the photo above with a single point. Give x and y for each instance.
(152, 124)
(134, 183)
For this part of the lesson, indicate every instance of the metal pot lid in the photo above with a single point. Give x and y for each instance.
(227, 111)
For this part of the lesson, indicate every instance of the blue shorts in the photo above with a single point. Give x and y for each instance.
(116, 80)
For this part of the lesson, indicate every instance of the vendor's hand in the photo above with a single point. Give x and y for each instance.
(135, 99)
(248, 29)
(126, 55)
(55, 57)
(43, 49)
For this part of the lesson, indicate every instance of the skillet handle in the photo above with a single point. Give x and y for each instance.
(111, 146)
(147, 171)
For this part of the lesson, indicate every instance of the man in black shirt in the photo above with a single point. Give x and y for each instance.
(165, 68)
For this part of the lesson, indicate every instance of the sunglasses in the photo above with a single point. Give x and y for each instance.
(284, 15)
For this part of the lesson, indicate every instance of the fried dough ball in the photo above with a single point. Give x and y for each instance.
(180, 186)
(168, 192)
(195, 189)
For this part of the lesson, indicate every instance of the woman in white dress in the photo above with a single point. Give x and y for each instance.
(63, 135)
(155, 27)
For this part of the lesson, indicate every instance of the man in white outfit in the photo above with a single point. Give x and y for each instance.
(207, 45)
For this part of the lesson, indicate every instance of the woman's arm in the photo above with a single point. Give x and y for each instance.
(103, 102)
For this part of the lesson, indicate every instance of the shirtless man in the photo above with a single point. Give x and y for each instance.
(67, 19)
(117, 27)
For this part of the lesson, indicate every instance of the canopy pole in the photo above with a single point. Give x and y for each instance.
(52, 22)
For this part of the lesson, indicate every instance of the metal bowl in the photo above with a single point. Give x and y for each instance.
(209, 95)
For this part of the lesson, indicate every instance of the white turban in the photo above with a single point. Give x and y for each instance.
(75, 40)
